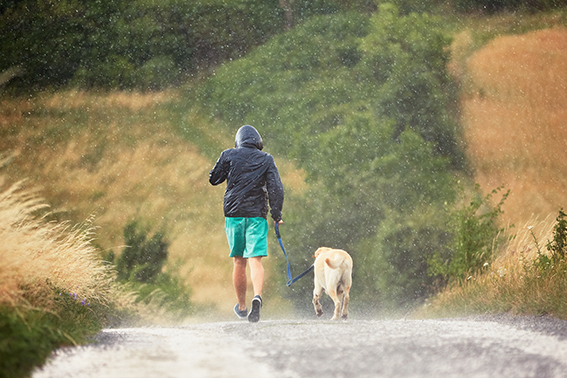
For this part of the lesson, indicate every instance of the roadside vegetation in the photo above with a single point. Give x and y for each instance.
(512, 100)
(57, 290)
(528, 277)
(54, 288)
(140, 268)
(419, 137)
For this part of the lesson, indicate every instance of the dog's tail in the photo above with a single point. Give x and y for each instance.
(334, 263)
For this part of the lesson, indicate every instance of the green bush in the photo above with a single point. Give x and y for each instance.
(558, 246)
(29, 334)
(142, 259)
(475, 234)
(26, 340)
(141, 265)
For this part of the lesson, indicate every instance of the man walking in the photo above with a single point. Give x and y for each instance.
(253, 183)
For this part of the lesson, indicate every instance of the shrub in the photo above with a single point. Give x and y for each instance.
(141, 265)
(142, 259)
(558, 246)
(474, 238)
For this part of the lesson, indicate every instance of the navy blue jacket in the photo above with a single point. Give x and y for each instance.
(252, 178)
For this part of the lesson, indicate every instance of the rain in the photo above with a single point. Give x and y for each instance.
(423, 137)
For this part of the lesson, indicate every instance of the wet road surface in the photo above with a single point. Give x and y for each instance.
(498, 346)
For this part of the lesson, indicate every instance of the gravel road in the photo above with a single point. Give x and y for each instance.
(498, 346)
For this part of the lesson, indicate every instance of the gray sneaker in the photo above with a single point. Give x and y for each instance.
(254, 315)
(241, 314)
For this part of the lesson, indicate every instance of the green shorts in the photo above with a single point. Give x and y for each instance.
(247, 237)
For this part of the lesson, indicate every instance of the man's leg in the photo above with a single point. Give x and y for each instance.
(257, 274)
(239, 281)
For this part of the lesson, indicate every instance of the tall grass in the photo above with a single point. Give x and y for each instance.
(514, 283)
(54, 289)
(35, 251)
(514, 120)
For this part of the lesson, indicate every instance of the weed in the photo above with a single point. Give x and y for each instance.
(558, 246)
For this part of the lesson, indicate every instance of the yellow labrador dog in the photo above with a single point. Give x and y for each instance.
(333, 272)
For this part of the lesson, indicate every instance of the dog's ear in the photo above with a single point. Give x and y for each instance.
(320, 250)
(317, 253)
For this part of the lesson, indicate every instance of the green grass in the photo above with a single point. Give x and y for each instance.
(29, 334)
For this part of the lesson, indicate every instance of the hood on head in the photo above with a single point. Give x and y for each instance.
(248, 136)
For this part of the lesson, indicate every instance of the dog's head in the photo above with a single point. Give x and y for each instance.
(321, 250)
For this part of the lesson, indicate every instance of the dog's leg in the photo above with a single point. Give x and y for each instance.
(345, 303)
(337, 300)
(316, 296)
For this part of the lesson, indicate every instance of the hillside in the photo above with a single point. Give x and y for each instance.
(116, 156)
(513, 118)
(513, 115)
(122, 156)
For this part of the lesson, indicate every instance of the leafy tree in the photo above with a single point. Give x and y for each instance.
(143, 44)
(293, 86)
(405, 58)
(128, 44)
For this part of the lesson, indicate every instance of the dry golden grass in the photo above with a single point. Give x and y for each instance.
(35, 252)
(514, 118)
(514, 115)
(135, 101)
(502, 287)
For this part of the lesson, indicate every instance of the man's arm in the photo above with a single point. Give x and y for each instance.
(275, 191)
(219, 173)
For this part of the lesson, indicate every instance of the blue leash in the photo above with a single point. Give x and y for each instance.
(289, 276)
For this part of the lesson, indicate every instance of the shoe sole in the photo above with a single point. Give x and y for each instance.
(254, 315)
(240, 316)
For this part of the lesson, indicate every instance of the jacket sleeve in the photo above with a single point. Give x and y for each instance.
(275, 191)
(219, 173)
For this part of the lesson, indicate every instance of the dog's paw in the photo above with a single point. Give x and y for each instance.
(344, 317)
(319, 313)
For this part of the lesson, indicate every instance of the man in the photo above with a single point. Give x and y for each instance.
(253, 183)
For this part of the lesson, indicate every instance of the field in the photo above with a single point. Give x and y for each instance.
(513, 114)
